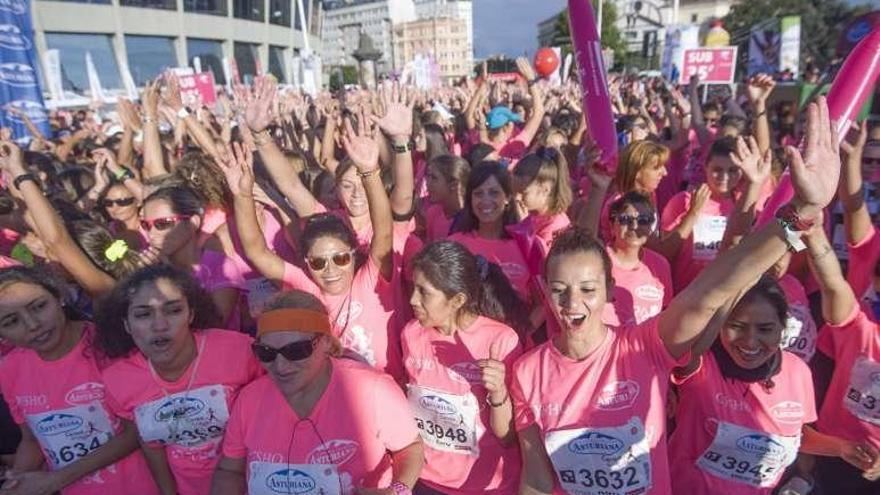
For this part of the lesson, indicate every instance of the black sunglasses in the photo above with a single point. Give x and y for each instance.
(107, 203)
(642, 220)
(294, 351)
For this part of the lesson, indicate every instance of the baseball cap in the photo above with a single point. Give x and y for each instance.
(500, 116)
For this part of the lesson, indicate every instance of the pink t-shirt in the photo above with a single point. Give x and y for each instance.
(701, 247)
(738, 437)
(442, 369)
(503, 252)
(639, 293)
(401, 232)
(64, 404)
(343, 444)
(437, 224)
(7, 262)
(187, 416)
(863, 258)
(365, 318)
(217, 271)
(614, 400)
(545, 227)
(851, 409)
(800, 336)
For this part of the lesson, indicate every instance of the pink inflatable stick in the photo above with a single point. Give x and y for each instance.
(594, 81)
(853, 83)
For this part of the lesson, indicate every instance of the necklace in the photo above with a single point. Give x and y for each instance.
(173, 425)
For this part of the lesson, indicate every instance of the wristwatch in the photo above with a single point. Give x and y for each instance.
(792, 227)
(182, 113)
(400, 488)
(401, 148)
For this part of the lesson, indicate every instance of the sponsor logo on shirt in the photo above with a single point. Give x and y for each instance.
(418, 363)
(761, 445)
(31, 400)
(19, 75)
(649, 293)
(260, 456)
(57, 424)
(595, 443)
(540, 410)
(179, 407)
(85, 393)
(788, 412)
(336, 452)
(437, 404)
(290, 481)
(466, 372)
(348, 317)
(16, 7)
(513, 270)
(11, 37)
(875, 377)
(618, 395)
(732, 403)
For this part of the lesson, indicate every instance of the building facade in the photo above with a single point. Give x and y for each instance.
(149, 36)
(344, 21)
(443, 38)
(456, 9)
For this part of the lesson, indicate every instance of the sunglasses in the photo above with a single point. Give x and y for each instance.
(163, 223)
(294, 351)
(318, 263)
(107, 203)
(642, 220)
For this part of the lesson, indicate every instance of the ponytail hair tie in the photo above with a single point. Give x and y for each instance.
(483, 266)
(116, 251)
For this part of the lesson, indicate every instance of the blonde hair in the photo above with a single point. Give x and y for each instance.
(634, 158)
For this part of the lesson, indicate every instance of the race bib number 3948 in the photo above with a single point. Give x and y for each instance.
(601, 461)
(445, 421)
(862, 396)
(67, 435)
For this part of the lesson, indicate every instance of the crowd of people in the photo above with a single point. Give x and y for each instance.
(440, 292)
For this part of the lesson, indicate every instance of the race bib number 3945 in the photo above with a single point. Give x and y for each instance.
(748, 456)
(601, 461)
(67, 435)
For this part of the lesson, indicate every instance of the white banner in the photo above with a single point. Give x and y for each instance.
(52, 69)
(97, 92)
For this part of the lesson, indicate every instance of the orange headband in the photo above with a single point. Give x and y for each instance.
(293, 320)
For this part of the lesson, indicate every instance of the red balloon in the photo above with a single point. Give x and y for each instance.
(546, 62)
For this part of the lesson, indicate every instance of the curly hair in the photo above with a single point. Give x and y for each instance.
(204, 175)
(112, 341)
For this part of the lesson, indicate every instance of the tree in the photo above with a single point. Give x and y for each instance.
(822, 22)
(611, 36)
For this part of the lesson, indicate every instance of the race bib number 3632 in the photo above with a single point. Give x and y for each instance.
(748, 456)
(445, 421)
(601, 461)
(862, 396)
(67, 435)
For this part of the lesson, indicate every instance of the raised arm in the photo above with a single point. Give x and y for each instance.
(856, 217)
(697, 122)
(758, 90)
(838, 299)
(364, 152)
(756, 167)
(536, 117)
(814, 177)
(195, 129)
(153, 160)
(397, 125)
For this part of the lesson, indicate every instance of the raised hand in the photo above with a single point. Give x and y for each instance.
(128, 114)
(525, 69)
(150, 99)
(815, 174)
(759, 88)
(397, 121)
(858, 144)
(698, 199)
(493, 374)
(360, 146)
(259, 106)
(237, 163)
(172, 96)
(755, 166)
(11, 159)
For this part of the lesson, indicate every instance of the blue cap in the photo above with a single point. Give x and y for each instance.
(500, 116)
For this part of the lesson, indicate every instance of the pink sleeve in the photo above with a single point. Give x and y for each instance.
(523, 416)
(14, 410)
(115, 406)
(512, 351)
(809, 394)
(295, 278)
(396, 426)
(683, 380)
(233, 438)
(674, 211)
(220, 272)
(863, 258)
(646, 335)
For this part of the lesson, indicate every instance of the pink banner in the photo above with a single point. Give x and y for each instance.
(713, 65)
(197, 89)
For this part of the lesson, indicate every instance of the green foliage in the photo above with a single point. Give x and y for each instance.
(347, 75)
(611, 36)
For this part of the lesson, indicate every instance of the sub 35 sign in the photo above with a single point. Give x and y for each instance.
(197, 89)
(713, 65)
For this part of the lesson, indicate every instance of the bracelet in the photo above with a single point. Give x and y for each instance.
(401, 148)
(494, 405)
(182, 113)
(24, 178)
(124, 174)
(148, 120)
(261, 138)
(400, 488)
(370, 173)
(761, 114)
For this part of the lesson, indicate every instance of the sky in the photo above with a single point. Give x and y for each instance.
(510, 26)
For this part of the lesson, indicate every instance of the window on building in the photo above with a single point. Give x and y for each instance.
(248, 9)
(72, 50)
(694, 18)
(210, 55)
(150, 4)
(279, 12)
(106, 2)
(246, 59)
(276, 63)
(148, 56)
(212, 7)
(307, 10)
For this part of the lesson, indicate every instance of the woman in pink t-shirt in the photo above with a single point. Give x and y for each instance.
(445, 180)
(642, 278)
(458, 352)
(745, 407)
(316, 423)
(174, 376)
(590, 403)
(361, 290)
(172, 217)
(542, 187)
(485, 225)
(52, 384)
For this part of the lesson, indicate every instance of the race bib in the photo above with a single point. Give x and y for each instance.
(748, 456)
(268, 478)
(67, 435)
(447, 422)
(799, 335)
(260, 291)
(708, 233)
(187, 418)
(601, 461)
(862, 397)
